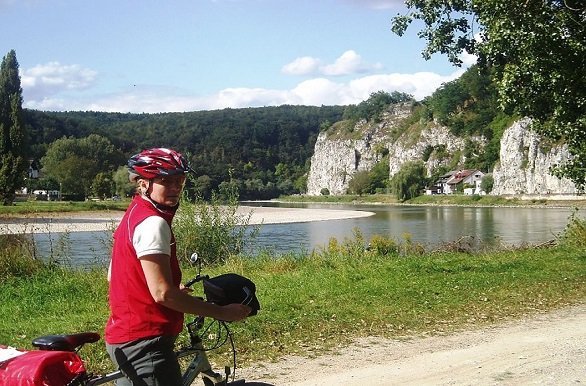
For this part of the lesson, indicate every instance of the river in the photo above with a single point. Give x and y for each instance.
(430, 226)
(427, 225)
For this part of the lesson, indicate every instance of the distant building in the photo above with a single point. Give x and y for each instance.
(465, 181)
(46, 195)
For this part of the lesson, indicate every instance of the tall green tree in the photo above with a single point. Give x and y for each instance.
(12, 133)
(536, 51)
(409, 180)
(360, 183)
(75, 162)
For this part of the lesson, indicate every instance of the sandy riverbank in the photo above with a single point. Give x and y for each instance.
(107, 220)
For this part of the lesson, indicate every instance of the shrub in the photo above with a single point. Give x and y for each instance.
(487, 183)
(383, 246)
(575, 232)
(16, 259)
(214, 229)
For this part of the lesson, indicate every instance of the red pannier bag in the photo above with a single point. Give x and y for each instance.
(41, 368)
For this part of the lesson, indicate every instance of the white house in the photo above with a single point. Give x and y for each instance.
(449, 182)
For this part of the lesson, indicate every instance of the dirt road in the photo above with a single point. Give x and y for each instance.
(548, 349)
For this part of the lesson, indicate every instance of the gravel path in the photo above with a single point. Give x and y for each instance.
(547, 349)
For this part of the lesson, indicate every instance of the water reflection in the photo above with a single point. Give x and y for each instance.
(427, 225)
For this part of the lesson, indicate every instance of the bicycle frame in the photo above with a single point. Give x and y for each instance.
(198, 365)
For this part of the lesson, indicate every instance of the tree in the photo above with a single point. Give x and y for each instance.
(409, 180)
(375, 105)
(536, 52)
(360, 183)
(123, 186)
(76, 162)
(12, 133)
(379, 176)
(103, 185)
(487, 183)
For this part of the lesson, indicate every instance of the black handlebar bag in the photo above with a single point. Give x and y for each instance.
(231, 288)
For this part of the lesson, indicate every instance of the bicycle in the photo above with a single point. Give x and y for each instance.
(199, 364)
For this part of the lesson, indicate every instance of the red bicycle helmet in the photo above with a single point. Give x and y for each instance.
(157, 162)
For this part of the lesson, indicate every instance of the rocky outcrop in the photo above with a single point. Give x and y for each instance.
(525, 164)
(435, 145)
(335, 161)
(339, 154)
(337, 158)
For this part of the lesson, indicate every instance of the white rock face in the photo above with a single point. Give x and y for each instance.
(404, 151)
(524, 168)
(334, 162)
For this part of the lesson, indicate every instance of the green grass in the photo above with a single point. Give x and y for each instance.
(343, 199)
(33, 207)
(311, 304)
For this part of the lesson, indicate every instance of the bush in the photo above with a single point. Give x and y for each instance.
(214, 229)
(409, 180)
(383, 246)
(16, 259)
(487, 183)
(575, 232)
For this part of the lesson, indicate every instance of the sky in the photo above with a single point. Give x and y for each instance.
(146, 56)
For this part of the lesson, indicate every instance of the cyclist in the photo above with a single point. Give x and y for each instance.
(146, 299)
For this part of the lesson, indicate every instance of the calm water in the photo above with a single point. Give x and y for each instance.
(429, 226)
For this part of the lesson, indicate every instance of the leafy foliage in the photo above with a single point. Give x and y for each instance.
(409, 181)
(360, 183)
(214, 229)
(83, 166)
(12, 135)
(263, 151)
(375, 105)
(16, 259)
(537, 54)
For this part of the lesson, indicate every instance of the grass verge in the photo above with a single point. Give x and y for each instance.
(314, 303)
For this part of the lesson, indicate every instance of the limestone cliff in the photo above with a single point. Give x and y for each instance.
(523, 168)
(336, 159)
(525, 163)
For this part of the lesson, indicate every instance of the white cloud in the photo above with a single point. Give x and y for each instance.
(318, 92)
(468, 59)
(52, 78)
(302, 66)
(420, 84)
(348, 63)
(150, 99)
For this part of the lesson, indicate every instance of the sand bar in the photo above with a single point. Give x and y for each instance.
(107, 220)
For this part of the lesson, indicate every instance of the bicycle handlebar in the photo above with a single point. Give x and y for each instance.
(196, 279)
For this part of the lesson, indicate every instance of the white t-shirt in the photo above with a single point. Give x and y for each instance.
(152, 236)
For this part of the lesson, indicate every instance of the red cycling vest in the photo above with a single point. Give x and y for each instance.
(133, 312)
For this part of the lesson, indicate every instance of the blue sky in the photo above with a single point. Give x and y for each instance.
(185, 55)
